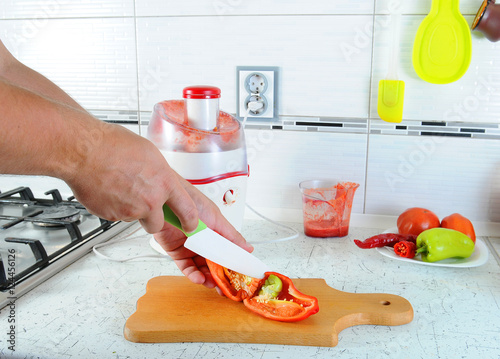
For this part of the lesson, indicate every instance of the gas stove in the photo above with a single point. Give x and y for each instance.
(41, 236)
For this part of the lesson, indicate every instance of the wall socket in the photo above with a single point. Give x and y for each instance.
(257, 89)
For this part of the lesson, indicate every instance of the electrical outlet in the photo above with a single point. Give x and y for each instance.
(257, 92)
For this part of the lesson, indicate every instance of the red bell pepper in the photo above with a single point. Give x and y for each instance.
(234, 285)
(278, 299)
(274, 297)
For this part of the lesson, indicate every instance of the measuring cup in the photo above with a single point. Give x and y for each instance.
(327, 207)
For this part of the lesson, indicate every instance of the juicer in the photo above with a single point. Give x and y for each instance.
(205, 146)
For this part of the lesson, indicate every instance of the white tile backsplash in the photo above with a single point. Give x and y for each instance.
(467, 7)
(443, 174)
(93, 59)
(316, 78)
(473, 98)
(280, 160)
(39, 11)
(260, 7)
(119, 57)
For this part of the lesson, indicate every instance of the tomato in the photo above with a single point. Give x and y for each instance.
(459, 223)
(416, 220)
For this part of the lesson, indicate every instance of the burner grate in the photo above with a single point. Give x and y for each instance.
(47, 213)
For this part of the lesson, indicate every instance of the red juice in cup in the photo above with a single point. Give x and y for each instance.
(327, 207)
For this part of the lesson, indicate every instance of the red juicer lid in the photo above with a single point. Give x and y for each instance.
(201, 92)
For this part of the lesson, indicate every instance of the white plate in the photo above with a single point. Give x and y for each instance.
(478, 257)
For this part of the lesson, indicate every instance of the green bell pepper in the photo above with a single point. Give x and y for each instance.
(440, 243)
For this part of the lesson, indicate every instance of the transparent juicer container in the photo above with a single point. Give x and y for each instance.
(198, 155)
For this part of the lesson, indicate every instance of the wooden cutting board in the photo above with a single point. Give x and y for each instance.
(176, 310)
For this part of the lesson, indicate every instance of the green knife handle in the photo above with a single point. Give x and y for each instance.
(171, 218)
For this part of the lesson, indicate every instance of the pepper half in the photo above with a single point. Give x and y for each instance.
(286, 305)
(274, 297)
(234, 285)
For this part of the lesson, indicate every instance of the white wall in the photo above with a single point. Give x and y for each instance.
(119, 57)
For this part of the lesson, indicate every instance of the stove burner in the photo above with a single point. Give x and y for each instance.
(40, 252)
(57, 213)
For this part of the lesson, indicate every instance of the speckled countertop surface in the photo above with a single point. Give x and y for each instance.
(81, 311)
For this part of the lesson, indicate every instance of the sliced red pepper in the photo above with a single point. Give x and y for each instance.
(385, 239)
(234, 285)
(289, 305)
(405, 249)
(276, 299)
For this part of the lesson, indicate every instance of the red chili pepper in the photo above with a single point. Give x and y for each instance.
(385, 239)
(274, 297)
(405, 249)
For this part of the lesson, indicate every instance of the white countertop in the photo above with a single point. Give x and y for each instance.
(81, 311)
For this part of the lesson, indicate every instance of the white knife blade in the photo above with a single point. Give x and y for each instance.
(211, 245)
(220, 250)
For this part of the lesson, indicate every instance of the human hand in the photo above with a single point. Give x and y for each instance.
(125, 177)
(172, 240)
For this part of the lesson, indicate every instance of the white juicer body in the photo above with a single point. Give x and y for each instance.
(215, 161)
(211, 174)
(229, 195)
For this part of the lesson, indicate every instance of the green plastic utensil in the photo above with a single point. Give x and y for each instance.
(443, 46)
(391, 91)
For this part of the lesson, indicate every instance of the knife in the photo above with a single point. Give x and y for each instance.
(211, 245)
